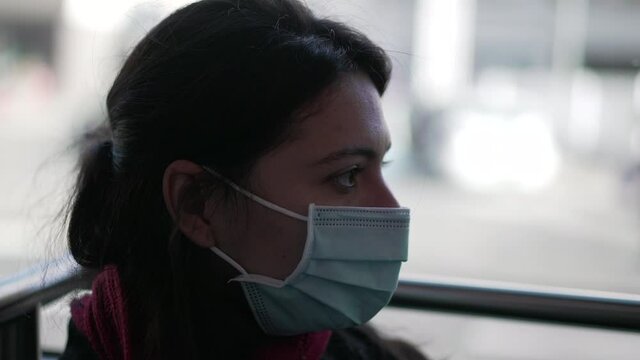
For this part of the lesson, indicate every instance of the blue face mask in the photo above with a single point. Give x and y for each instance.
(347, 273)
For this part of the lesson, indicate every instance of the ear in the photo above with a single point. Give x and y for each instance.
(178, 176)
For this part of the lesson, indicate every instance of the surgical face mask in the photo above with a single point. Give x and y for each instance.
(347, 273)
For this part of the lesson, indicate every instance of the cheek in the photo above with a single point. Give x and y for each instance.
(271, 244)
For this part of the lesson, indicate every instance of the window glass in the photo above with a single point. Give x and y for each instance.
(462, 337)
(516, 127)
(516, 143)
(522, 162)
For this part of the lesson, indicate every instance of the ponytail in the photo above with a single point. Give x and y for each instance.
(91, 212)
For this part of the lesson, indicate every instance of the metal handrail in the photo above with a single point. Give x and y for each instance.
(516, 301)
(21, 296)
(40, 285)
(47, 282)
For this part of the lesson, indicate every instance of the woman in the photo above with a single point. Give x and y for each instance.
(234, 201)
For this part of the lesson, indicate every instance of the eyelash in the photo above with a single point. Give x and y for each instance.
(353, 171)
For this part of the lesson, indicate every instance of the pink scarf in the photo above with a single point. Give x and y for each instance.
(102, 317)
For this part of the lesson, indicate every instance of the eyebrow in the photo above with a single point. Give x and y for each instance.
(365, 152)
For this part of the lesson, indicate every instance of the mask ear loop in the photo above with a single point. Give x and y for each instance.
(229, 261)
(261, 279)
(255, 197)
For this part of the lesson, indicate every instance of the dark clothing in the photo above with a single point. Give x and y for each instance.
(358, 343)
(78, 347)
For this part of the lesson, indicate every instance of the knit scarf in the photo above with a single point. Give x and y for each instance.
(103, 319)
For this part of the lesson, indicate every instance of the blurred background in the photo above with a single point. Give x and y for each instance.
(515, 126)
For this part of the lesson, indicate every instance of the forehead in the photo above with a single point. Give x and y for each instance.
(346, 114)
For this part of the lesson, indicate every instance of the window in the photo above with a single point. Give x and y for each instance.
(515, 126)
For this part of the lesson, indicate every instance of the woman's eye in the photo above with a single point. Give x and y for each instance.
(347, 179)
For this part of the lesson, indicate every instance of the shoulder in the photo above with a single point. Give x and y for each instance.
(78, 347)
(363, 342)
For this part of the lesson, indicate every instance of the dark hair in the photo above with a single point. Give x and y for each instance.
(218, 82)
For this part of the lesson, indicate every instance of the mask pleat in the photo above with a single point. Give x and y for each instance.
(341, 243)
(377, 275)
(359, 309)
(283, 317)
(358, 213)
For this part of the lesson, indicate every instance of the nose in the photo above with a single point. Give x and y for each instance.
(383, 196)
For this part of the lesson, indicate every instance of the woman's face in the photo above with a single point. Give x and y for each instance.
(334, 157)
